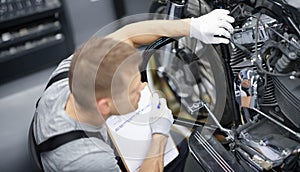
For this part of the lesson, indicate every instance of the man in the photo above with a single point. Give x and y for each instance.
(104, 80)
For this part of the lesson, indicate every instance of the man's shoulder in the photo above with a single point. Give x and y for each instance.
(63, 66)
(82, 154)
(50, 108)
(59, 88)
(52, 101)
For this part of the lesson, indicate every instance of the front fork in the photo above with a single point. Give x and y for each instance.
(174, 10)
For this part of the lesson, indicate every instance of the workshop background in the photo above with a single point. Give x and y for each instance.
(35, 36)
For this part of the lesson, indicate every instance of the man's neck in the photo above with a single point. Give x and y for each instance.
(81, 116)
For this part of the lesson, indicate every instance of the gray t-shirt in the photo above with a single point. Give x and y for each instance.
(86, 154)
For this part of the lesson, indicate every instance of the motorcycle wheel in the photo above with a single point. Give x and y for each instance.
(212, 88)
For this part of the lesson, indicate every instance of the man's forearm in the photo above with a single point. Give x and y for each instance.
(145, 32)
(154, 161)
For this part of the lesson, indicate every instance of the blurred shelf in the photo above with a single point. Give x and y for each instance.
(23, 11)
(31, 47)
(33, 34)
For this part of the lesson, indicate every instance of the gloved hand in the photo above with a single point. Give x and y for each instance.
(161, 118)
(215, 23)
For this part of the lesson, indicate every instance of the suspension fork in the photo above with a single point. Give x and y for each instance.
(175, 9)
(229, 79)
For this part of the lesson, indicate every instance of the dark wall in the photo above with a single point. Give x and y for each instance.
(88, 16)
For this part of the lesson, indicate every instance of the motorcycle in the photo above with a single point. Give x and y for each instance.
(242, 99)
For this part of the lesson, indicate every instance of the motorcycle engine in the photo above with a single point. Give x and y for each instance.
(266, 67)
(275, 55)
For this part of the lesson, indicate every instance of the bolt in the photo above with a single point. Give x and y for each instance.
(292, 56)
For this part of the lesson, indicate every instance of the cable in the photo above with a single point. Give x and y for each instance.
(280, 35)
(256, 37)
(295, 74)
(200, 11)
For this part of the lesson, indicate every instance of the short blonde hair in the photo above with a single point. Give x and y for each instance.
(94, 66)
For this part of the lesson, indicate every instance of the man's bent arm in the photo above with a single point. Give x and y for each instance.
(146, 32)
(154, 161)
(218, 22)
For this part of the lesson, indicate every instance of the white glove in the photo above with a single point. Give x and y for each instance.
(215, 23)
(161, 118)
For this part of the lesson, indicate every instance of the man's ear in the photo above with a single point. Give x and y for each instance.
(104, 106)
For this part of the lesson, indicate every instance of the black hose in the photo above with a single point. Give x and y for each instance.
(149, 51)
